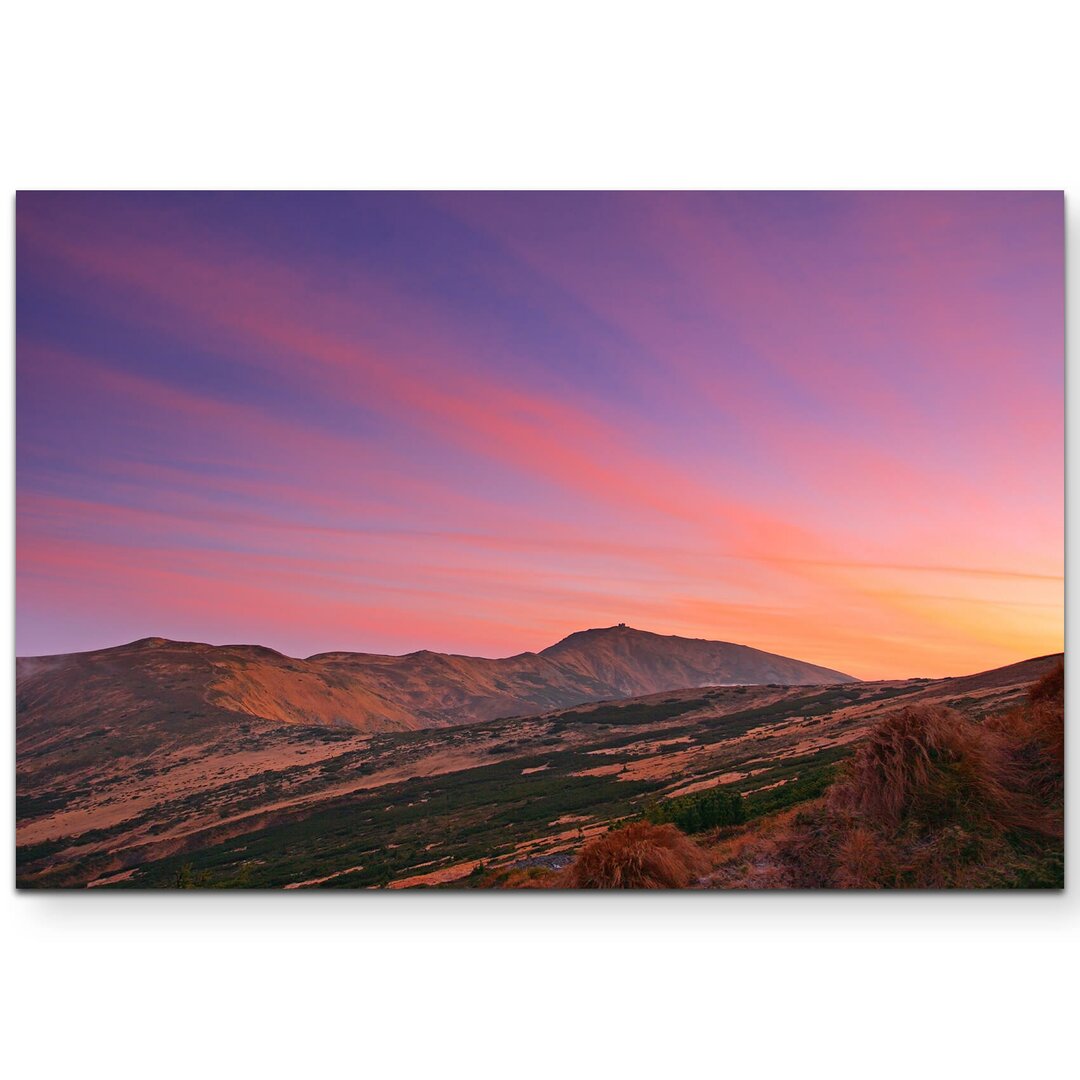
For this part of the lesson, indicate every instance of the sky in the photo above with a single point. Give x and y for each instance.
(829, 425)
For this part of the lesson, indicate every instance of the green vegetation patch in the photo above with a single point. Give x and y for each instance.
(699, 811)
(391, 832)
(643, 713)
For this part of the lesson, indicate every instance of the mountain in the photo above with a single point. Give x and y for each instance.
(257, 803)
(632, 662)
(177, 689)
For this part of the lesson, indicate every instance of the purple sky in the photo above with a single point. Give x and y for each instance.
(828, 425)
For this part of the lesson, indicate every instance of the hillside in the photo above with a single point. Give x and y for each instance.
(278, 805)
(173, 689)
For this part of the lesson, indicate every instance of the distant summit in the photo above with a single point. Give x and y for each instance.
(637, 662)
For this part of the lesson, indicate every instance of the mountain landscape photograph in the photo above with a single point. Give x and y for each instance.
(504, 541)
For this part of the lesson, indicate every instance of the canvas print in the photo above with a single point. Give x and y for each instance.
(539, 540)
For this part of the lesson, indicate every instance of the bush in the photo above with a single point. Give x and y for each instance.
(639, 856)
(696, 813)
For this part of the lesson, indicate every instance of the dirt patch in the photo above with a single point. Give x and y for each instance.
(710, 782)
(320, 880)
(438, 877)
(111, 879)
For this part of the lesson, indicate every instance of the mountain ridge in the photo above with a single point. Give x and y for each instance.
(153, 641)
(157, 680)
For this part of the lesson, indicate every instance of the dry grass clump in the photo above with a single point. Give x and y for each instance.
(1051, 687)
(861, 860)
(1036, 736)
(935, 799)
(533, 877)
(639, 856)
(930, 766)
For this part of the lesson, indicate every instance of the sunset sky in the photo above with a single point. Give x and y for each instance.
(825, 425)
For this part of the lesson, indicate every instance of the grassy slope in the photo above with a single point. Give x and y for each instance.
(777, 744)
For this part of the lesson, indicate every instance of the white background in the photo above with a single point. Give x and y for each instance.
(460, 94)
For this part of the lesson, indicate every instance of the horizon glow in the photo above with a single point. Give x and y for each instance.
(827, 425)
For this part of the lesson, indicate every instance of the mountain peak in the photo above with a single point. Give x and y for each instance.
(618, 630)
(639, 661)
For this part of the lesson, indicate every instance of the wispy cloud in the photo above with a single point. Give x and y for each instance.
(826, 425)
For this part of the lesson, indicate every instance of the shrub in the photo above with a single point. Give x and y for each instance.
(639, 856)
(696, 813)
